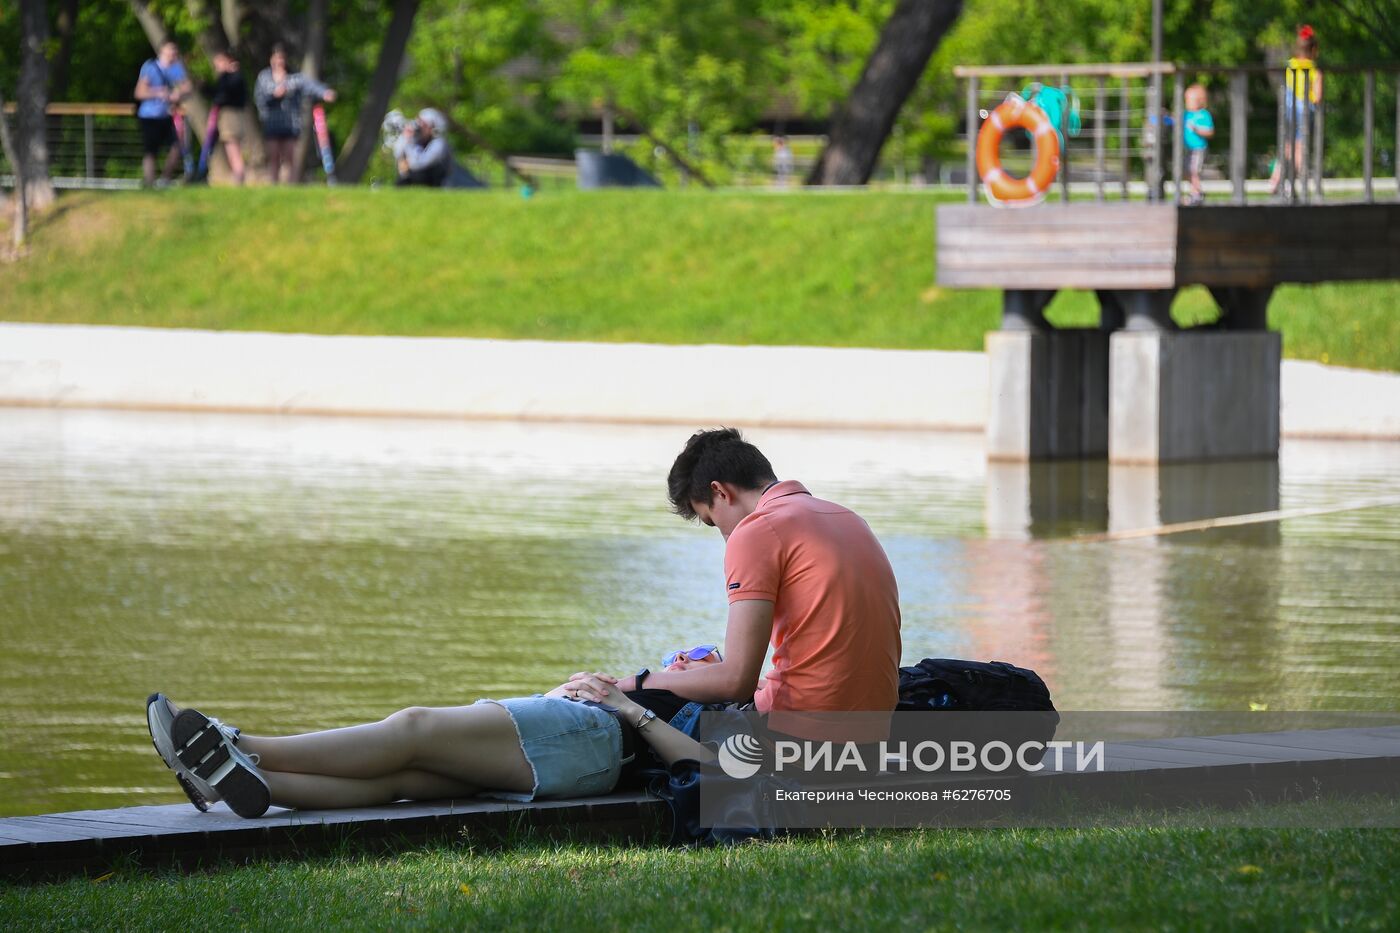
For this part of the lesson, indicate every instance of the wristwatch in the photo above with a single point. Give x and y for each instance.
(641, 676)
(646, 717)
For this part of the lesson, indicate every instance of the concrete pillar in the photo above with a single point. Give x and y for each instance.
(1049, 394)
(1182, 396)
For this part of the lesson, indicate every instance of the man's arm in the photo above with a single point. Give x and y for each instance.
(144, 91)
(734, 678)
(423, 156)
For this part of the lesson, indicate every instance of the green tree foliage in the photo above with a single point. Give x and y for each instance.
(700, 73)
(690, 73)
(490, 65)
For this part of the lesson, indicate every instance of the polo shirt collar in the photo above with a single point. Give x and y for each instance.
(788, 487)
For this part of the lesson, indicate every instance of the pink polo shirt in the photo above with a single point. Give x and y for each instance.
(835, 604)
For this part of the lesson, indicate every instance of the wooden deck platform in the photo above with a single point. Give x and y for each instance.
(1210, 769)
(1162, 246)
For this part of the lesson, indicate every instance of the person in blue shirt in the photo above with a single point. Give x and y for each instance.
(161, 87)
(1196, 129)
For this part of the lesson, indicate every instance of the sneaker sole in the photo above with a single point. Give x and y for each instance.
(153, 724)
(203, 750)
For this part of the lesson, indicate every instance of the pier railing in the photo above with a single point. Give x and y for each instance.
(1122, 153)
(91, 145)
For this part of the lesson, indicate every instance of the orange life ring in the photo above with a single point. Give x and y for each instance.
(1002, 187)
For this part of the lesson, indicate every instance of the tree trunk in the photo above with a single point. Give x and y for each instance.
(62, 68)
(33, 100)
(231, 18)
(863, 122)
(212, 37)
(312, 60)
(7, 147)
(364, 138)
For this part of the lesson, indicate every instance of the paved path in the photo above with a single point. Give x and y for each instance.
(80, 366)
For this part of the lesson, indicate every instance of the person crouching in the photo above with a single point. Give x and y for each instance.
(422, 153)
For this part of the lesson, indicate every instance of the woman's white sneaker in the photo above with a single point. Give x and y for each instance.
(160, 714)
(205, 748)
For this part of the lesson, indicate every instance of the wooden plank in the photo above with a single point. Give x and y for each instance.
(1284, 231)
(1356, 741)
(1108, 278)
(1289, 259)
(66, 825)
(1084, 215)
(982, 238)
(1273, 218)
(1262, 750)
(24, 828)
(1172, 755)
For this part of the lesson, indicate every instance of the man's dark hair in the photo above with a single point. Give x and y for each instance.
(715, 456)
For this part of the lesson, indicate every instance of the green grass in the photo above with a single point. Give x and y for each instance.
(667, 267)
(1167, 877)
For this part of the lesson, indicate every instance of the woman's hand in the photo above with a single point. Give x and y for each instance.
(601, 688)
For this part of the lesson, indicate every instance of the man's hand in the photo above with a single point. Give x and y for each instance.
(583, 676)
(601, 688)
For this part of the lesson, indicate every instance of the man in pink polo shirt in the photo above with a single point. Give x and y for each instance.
(804, 573)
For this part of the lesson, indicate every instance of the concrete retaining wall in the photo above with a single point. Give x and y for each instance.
(120, 367)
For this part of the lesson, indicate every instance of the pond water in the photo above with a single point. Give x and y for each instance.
(296, 573)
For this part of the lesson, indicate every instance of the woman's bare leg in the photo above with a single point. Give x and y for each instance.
(321, 792)
(234, 153)
(477, 745)
(273, 150)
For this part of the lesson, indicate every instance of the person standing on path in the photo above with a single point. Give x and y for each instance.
(278, 94)
(229, 92)
(160, 88)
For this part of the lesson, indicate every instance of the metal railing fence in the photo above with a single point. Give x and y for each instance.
(1120, 152)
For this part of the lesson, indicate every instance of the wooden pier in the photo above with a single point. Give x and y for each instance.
(1136, 388)
(1215, 770)
(1138, 246)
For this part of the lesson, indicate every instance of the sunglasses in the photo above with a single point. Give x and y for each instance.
(698, 653)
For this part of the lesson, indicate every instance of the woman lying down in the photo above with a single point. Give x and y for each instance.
(526, 748)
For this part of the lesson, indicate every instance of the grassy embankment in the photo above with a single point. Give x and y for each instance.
(1164, 878)
(667, 267)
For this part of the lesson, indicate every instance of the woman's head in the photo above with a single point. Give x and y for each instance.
(686, 658)
(279, 58)
(1306, 46)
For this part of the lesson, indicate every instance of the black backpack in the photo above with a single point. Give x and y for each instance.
(951, 685)
(981, 686)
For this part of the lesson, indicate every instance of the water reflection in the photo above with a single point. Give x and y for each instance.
(1046, 499)
(295, 573)
(1152, 496)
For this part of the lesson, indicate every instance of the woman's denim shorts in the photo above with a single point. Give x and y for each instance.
(574, 750)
